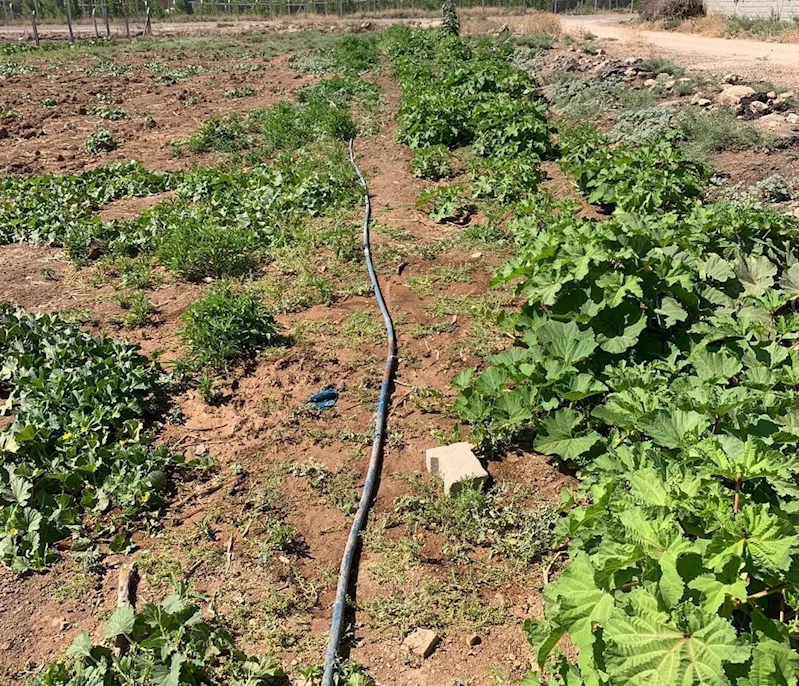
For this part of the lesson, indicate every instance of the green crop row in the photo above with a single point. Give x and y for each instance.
(656, 355)
(76, 457)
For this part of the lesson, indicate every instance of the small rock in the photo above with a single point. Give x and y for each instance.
(649, 83)
(630, 72)
(475, 255)
(421, 642)
(474, 640)
(670, 84)
(704, 102)
(730, 78)
(732, 96)
(757, 107)
(771, 95)
(457, 466)
(792, 118)
(685, 79)
(664, 75)
(201, 450)
(796, 212)
(630, 61)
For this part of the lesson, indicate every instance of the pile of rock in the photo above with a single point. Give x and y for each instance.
(747, 103)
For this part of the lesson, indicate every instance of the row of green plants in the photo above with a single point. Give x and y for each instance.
(467, 99)
(655, 355)
(77, 457)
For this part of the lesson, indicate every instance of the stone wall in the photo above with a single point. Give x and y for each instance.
(784, 9)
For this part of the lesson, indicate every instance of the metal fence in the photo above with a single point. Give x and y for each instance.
(60, 11)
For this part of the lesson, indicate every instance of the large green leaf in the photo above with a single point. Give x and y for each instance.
(648, 648)
(755, 272)
(756, 535)
(121, 622)
(557, 436)
(581, 605)
(673, 428)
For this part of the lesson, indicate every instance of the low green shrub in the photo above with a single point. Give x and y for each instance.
(76, 457)
(194, 248)
(226, 327)
(99, 142)
(431, 163)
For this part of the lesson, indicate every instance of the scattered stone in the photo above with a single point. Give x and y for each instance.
(685, 79)
(630, 72)
(457, 466)
(778, 126)
(649, 83)
(732, 96)
(201, 450)
(664, 75)
(756, 107)
(704, 102)
(670, 84)
(474, 640)
(630, 61)
(475, 255)
(792, 118)
(771, 95)
(421, 642)
(730, 78)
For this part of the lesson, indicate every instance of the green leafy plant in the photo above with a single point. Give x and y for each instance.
(644, 179)
(238, 92)
(99, 142)
(431, 163)
(169, 643)
(76, 457)
(446, 204)
(225, 327)
(450, 23)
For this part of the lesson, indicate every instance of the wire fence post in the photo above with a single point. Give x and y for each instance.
(105, 20)
(35, 29)
(148, 27)
(68, 12)
(94, 19)
(124, 12)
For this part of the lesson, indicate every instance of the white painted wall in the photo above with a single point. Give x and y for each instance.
(784, 9)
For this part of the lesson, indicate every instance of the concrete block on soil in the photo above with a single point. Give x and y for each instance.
(457, 466)
(421, 642)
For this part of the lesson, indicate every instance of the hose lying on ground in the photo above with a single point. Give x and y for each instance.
(376, 461)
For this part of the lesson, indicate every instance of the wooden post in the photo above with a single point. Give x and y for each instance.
(125, 15)
(68, 12)
(35, 29)
(148, 27)
(94, 19)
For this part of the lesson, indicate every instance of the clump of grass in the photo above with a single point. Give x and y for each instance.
(507, 518)
(99, 142)
(225, 327)
(139, 310)
(661, 65)
(337, 487)
(717, 132)
(195, 248)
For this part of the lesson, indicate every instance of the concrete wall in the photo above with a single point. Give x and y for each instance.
(784, 9)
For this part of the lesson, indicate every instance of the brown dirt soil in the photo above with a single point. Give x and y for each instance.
(258, 429)
(258, 426)
(52, 140)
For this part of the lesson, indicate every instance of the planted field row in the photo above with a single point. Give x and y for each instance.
(654, 354)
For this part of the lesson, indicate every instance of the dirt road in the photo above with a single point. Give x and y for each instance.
(754, 60)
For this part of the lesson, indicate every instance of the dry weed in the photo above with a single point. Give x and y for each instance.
(526, 24)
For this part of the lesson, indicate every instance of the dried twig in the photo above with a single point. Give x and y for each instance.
(207, 490)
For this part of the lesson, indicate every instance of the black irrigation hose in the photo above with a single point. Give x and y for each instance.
(376, 462)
